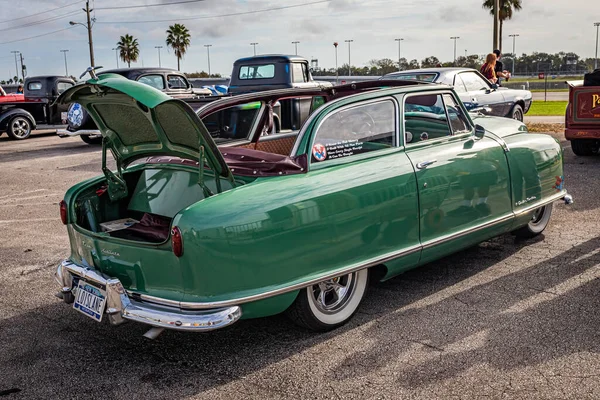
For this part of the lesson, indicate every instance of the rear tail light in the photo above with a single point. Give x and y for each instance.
(63, 212)
(176, 241)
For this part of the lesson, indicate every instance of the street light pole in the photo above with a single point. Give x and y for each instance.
(88, 26)
(295, 43)
(349, 68)
(454, 38)
(399, 40)
(116, 49)
(335, 44)
(159, 63)
(208, 46)
(596, 24)
(15, 52)
(514, 37)
(66, 69)
(253, 44)
(496, 40)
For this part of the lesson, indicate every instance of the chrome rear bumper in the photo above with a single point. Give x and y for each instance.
(120, 307)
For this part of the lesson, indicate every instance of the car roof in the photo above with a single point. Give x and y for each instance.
(122, 71)
(441, 70)
(270, 57)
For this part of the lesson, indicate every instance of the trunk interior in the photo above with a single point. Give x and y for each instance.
(155, 196)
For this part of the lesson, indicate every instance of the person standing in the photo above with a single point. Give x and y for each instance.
(500, 71)
(489, 68)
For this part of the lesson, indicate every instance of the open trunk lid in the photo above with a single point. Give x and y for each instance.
(137, 121)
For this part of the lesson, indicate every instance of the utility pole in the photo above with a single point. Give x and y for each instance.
(88, 26)
(496, 44)
(349, 65)
(253, 44)
(399, 40)
(596, 24)
(116, 49)
(454, 38)
(66, 69)
(23, 67)
(159, 63)
(514, 37)
(335, 44)
(208, 46)
(295, 43)
(15, 52)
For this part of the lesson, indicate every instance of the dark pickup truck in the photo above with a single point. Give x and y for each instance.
(36, 109)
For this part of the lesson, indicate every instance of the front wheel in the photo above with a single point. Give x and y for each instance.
(331, 303)
(19, 128)
(517, 113)
(539, 221)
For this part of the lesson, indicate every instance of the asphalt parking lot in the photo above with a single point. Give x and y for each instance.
(505, 319)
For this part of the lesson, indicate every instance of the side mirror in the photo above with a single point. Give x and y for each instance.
(479, 131)
(494, 86)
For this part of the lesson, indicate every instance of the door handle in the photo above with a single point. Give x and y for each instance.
(425, 164)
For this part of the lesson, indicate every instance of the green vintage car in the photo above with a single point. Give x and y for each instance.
(382, 177)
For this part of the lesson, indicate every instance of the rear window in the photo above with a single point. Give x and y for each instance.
(34, 86)
(414, 77)
(263, 71)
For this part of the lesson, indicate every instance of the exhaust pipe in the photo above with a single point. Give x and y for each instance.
(153, 333)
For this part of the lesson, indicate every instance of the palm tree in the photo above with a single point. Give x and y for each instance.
(178, 37)
(506, 11)
(128, 49)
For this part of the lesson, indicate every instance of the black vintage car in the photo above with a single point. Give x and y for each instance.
(37, 109)
(476, 92)
(169, 81)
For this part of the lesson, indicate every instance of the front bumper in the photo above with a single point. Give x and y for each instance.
(120, 307)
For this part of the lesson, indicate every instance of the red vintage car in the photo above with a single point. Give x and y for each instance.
(10, 97)
(582, 119)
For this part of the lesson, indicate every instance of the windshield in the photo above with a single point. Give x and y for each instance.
(422, 77)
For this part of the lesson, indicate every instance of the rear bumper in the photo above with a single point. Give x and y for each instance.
(120, 307)
(582, 133)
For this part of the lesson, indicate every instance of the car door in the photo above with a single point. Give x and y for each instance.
(479, 93)
(463, 182)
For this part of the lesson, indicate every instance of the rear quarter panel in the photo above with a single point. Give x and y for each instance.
(536, 168)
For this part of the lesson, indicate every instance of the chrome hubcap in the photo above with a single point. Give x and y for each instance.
(537, 215)
(20, 127)
(332, 295)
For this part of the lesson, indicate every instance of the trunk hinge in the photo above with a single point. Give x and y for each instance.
(117, 188)
(201, 162)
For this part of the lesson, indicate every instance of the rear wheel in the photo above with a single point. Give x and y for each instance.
(584, 147)
(19, 128)
(517, 113)
(539, 221)
(92, 139)
(331, 303)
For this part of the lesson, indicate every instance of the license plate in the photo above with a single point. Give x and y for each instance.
(90, 300)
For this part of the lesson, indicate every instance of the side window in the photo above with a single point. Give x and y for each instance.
(156, 81)
(177, 82)
(355, 130)
(425, 118)
(458, 121)
(298, 73)
(62, 86)
(34, 86)
(459, 85)
(474, 82)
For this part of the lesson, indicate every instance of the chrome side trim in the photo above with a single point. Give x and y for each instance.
(300, 285)
(541, 203)
(464, 232)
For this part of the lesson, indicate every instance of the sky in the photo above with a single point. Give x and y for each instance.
(425, 25)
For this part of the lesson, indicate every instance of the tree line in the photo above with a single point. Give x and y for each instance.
(526, 64)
